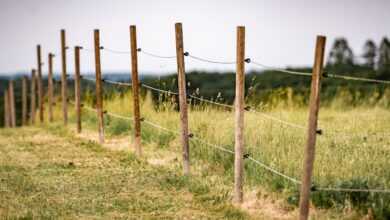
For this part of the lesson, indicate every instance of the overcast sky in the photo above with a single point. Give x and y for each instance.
(278, 32)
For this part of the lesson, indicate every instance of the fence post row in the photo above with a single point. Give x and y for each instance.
(64, 78)
(314, 106)
(24, 100)
(99, 89)
(37, 86)
(239, 117)
(33, 98)
(50, 95)
(40, 84)
(135, 87)
(77, 87)
(182, 97)
(6, 110)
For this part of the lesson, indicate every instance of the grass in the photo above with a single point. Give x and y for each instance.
(351, 153)
(48, 175)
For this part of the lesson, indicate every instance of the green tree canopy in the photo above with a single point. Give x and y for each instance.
(341, 54)
(369, 53)
(384, 55)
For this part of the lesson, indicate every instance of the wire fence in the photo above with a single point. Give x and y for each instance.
(274, 171)
(227, 149)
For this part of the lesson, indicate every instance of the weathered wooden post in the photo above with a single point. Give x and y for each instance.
(24, 100)
(11, 98)
(50, 96)
(33, 97)
(314, 106)
(239, 117)
(77, 87)
(7, 122)
(64, 85)
(135, 87)
(182, 97)
(40, 85)
(99, 89)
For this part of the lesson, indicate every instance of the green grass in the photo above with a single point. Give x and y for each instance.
(350, 153)
(47, 175)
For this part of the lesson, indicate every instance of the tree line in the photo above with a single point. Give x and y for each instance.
(374, 57)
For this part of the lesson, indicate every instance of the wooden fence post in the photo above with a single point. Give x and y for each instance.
(182, 97)
(239, 117)
(40, 84)
(77, 87)
(6, 109)
(11, 96)
(314, 106)
(99, 89)
(33, 94)
(64, 85)
(50, 86)
(24, 100)
(135, 87)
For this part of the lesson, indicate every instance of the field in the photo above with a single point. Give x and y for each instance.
(49, 171)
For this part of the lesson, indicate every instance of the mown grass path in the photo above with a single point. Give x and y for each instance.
(47, 173)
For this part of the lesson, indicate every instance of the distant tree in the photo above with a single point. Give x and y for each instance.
(384, 55)
(369, 54)
(341, 54)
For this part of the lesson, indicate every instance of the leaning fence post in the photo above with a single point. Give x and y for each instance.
(77, 87)
(11, 96)
(6, 109)
(99, 89)
(24, 100)
(314, 106)
(40, 84)
(33, 97)
(64, 78)
(182, 97)
(239, 117)
(50, 86)
(135, 87)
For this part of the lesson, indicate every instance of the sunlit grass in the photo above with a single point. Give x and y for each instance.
(352, 149)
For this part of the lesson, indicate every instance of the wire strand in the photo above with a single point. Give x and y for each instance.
(357, 78)
(210, 61)
(275, 171)
(228, 151)
(116, 51)
(211, 102)
(120, 116)
(279, 69)
(158, 90)
(117, 83)
(155, 55)
(229, 106)
(353, 190)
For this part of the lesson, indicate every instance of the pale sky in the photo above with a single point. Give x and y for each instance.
(279, 32)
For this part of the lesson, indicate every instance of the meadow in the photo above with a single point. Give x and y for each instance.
(351, 152)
